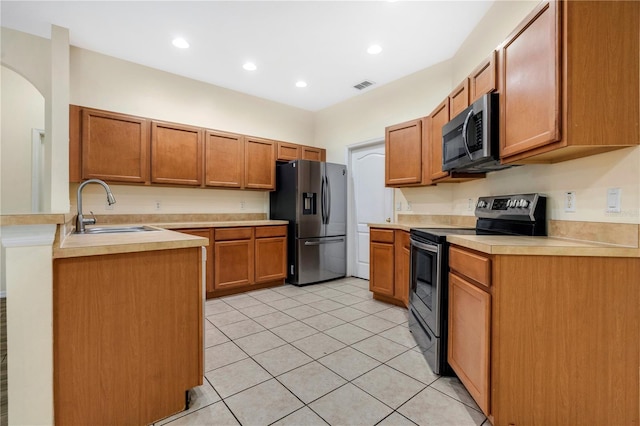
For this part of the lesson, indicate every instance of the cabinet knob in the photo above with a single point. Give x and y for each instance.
(388, 219)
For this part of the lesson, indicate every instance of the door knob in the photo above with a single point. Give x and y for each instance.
(388, 219)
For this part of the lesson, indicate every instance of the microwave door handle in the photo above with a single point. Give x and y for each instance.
(464, 133)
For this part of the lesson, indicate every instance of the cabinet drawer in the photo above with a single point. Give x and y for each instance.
(224, 234)
(472, 265)
(271, 231)
(382, 235)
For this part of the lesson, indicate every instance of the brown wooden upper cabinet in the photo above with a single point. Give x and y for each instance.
(176, 154)
(403, 149)
(568, 81)
(459, 98)
(115, 147)
(259, 163)
(438, 118)
(224, 159)
(288, 151)
(312, 153)
(483, 79)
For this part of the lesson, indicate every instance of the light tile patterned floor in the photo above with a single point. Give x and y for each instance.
(316, 355)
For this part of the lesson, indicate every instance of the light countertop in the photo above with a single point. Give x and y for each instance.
(533, 246)
(162, 238)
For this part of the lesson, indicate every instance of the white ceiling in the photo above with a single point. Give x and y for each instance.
(321, 42)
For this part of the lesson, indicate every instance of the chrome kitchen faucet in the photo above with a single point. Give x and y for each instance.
(80, 220)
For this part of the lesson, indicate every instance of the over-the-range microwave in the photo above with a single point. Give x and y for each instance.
(470, 141)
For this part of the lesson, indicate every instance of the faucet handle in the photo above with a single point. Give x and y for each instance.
(91, 221)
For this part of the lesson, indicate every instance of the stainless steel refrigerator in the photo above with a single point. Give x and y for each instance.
(312, 196)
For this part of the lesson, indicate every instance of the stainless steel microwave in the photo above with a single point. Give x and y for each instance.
(470, 141)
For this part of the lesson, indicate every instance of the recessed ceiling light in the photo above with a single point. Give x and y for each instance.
(250, 66)
(374, 49)
(180, 43)
(301, 84)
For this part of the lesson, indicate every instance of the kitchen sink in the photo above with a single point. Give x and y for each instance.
(118, 229)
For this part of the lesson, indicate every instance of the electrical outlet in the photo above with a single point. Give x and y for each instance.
(399, 206)
(157, 205)
(409, 206)
(570, 202)
(242, 205)
(614, 196)
(469, 204)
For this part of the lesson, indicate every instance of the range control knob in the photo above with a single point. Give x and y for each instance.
(481, 204)
(511, 204)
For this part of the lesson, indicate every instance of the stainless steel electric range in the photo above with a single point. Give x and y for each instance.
(518, 214)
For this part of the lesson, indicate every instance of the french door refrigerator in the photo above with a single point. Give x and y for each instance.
(312, 196)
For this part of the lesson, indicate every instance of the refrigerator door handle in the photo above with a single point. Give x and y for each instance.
(326, 241)
(328, 214)
(323, 200)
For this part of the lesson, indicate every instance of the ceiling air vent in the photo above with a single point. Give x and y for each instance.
(364, 84)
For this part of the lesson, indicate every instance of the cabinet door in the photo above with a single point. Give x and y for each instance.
(459, 98)
(271, 259)
(403, 153)
(438, 118)
(176, 154)
(470, 337)
(483, 78)
(288, 151)
(259, 164)
(233, 266)
(115, 147)
(530, 82)
(402, 259)
(311, 153)
(206, 233)
(381, 268)
(224, 159)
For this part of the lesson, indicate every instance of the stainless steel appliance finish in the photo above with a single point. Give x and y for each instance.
(470, 139)
(518, 214)
(312, 196)
(81, 222)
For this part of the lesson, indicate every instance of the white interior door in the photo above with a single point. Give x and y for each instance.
(372, 202)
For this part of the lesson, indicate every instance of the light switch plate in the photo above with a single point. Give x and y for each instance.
(614, 196)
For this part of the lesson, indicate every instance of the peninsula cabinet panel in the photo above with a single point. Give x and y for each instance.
(259, 164)
(127, 336)
(403, 154)
(205, 233)
(115, 147)
(176, 154)
(224, 159)
(482, 80)
(569, 81)
(459, 98)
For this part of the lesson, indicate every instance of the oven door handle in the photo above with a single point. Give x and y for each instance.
(423, 246)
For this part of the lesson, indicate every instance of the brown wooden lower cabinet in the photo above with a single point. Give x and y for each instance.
(243, 258)
(127, 335)
(547, 340)
(389, 265)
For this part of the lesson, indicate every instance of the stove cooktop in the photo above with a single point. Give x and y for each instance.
(439, 235)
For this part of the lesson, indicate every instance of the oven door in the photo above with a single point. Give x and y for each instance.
(426, 281)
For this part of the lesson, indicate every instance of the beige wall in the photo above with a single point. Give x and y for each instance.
(22, 110)
(104, 82)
